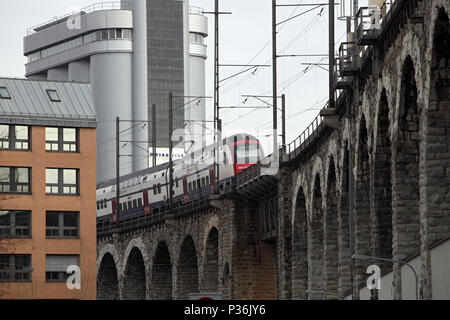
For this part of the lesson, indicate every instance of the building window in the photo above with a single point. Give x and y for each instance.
(56, 266)
(14, 137)
(61, 181)
(4, 93)
(53, 95)
(14, 224)
(61, 224)
(61, 139)
(15, 180)
(15, 267)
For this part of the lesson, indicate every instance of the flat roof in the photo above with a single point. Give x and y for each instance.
(46, 103)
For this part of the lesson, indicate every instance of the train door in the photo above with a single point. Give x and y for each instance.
(211, 179)
(146, 202)
(114, 210)
(185, 190)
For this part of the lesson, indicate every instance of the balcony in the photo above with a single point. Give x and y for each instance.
(341, 82)
(349, 62)
(369, 25)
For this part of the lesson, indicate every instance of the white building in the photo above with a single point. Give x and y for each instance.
(133, 53)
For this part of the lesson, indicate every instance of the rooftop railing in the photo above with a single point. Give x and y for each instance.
(111, 5)
(305, 138)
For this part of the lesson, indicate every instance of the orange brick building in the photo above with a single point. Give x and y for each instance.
(47, 190)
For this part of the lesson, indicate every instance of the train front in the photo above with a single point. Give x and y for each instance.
(246, 150)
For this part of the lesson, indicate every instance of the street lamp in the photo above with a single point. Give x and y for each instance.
(363, 257)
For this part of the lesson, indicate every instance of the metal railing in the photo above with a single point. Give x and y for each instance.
(371, 18)
(111, 5)
(248, 174)
(195, 9)
(305, 138)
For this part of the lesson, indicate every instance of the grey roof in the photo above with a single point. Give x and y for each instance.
(30, 104)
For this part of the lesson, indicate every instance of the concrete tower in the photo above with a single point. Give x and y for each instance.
(196, 112)
(139, 82)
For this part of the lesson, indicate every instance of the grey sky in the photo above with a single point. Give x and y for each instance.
(243, 35)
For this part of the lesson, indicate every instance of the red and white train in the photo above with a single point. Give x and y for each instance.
(147, 192)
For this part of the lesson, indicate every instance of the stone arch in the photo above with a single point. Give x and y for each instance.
(362, 203)
(435, 162)
(315, 242)
(161, 285)
(210, 282)
(331, 233)
(405, 175)
(187, 271)
(382, 186)
(112, 250)
(300, 247)
(344, 259)
(437, 133)
(134, 279)
(107, 279)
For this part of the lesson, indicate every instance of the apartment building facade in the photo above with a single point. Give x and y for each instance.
(47, 190)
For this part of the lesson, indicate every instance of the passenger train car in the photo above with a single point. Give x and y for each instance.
(147, 192)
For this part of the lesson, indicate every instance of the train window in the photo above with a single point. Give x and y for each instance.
(203, 182)
(190, 186)
(159, 187)
(135, 203)
(194, 185)
(98, 205)
(130, 205)
(106, 204)
(139, 201)
(199, 184)
(154, 189)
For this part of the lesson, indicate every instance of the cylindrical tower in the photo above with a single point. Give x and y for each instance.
(111, 84)
(198, 31)
(139, 83)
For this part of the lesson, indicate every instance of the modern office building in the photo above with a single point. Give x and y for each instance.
(47, 189)
(133, 53)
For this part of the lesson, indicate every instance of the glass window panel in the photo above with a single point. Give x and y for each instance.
(70, 219)
(69, 134)
(112, 34)
(52, 219)
(4, 174)
(51, 134)
(22, 175)
(4, 131)
(21, 132)
(53, 95)
(70, 176)
(126, 33)
(51, 176)
(119, 33)
(4, 94)
(22, 219)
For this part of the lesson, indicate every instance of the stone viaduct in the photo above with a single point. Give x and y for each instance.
(287, 236)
